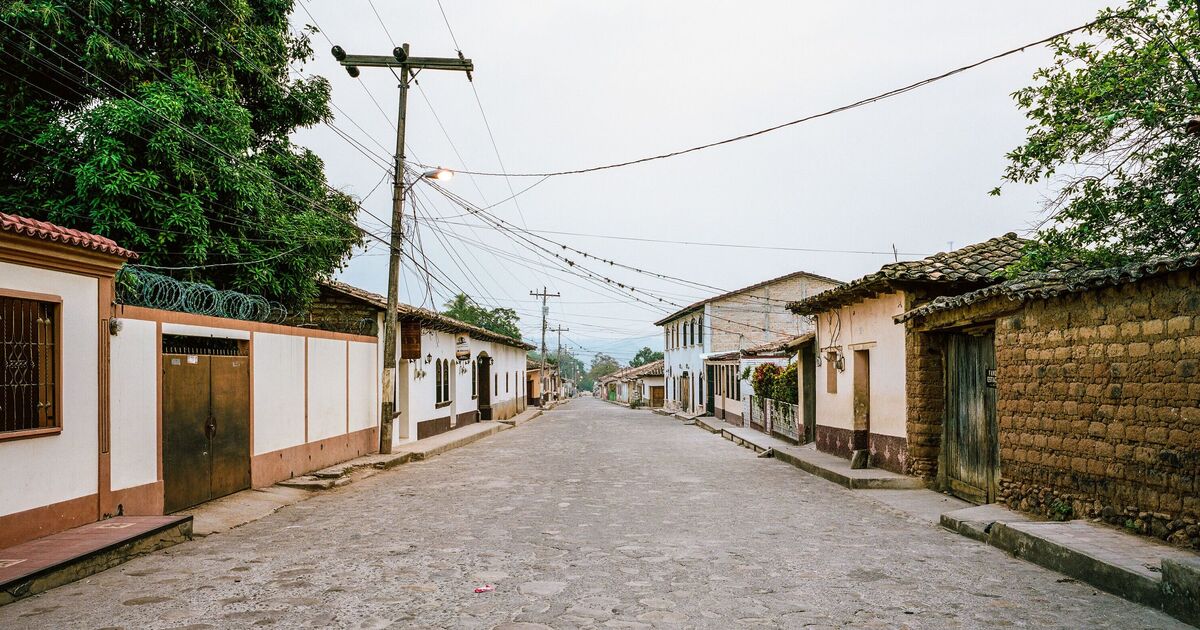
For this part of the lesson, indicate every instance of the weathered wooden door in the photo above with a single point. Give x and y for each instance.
(808, 404)
(685, 393)
(206, 428)
(972, 453)
(656, 396)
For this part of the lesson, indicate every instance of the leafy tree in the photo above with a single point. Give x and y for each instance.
(644, 356)
(1109, 121)
(602, 365)
(166, 126)
(498, 320)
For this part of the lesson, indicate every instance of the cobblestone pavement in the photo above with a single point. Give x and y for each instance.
(591, 516)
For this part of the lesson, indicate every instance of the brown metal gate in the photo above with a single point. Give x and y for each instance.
(206, 428)
(971, 448)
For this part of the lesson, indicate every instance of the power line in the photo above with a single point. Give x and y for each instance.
(856, 104)
(781, 248)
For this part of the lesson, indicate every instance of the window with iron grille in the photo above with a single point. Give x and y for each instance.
(29, 349)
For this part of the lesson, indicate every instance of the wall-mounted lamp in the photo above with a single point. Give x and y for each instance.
(840, 363)
(429, 358)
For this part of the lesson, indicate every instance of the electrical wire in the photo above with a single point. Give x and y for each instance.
(836, 110)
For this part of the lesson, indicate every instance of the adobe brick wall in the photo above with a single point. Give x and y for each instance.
(925, 391)
(1098, 404)
(335, 312)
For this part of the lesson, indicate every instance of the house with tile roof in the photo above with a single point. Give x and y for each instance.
(1071, 394)
(728, 322)
(731, 391)
(458, 373)
(864, 362)
(56, 293)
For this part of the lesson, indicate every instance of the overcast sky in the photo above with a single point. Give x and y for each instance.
(567, 85)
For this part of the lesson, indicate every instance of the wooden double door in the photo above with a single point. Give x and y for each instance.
(206, 428)
(656, 396)
(971, 451)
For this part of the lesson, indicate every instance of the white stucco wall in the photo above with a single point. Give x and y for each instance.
(44, 470)
(865, 325)
(278, 380)
(134, 404)
(689, 358)
(364, 386)
(326, 388)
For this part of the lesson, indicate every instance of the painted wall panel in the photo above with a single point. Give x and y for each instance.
(278, 382)
(45, 470)
(134, 395)
(326, 388)
(364, 380)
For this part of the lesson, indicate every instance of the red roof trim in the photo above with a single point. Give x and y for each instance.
(45, 231)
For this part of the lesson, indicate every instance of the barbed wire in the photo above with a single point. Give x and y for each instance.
(138, 287)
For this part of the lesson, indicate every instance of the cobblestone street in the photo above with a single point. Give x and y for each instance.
(591, 516)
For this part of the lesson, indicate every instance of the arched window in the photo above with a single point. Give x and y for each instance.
(437, 381)
(700, 331)
(693, 332)
(446, 380)
(474, 378)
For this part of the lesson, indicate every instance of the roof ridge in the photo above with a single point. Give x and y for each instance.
(47, 231)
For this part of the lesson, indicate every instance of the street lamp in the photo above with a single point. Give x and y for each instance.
(440, 174)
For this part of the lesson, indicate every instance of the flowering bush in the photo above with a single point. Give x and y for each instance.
(772, 381)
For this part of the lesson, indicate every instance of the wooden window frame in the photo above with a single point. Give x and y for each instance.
(474, 379)
(57, 302)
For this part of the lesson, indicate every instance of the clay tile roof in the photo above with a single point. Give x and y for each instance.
(695, 305)
(654, 368)
(782, 345)
(432, 319)
(1055, 283)
(33, 228)
(978, 264)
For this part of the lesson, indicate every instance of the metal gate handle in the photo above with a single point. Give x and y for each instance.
(210, 428)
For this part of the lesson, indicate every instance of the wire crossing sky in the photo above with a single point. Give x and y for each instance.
(596, 83)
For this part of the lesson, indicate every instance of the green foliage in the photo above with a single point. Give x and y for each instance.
(165, 126)
(771, 381)
(1109, 125)
(644, 356)
(602, 365)
(502, 321)
(1061, 510)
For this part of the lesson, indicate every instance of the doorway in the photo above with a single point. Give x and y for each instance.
(656, 396)
(862, 400)
(485, 386)
(685, 392)
(808, 367)
(971, 448)
(205, 421)
(711, 394)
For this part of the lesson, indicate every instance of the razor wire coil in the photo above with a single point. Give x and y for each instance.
(138, 287)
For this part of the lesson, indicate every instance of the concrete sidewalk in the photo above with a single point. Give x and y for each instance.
(1134, 567)
(810, 460)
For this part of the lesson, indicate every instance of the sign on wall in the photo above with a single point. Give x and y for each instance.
(410, 341)
(462, 348)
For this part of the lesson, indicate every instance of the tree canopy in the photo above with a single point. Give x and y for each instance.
(165, 126)
(1110, 126)
(644, 356)
(602, 365)
(498, 320)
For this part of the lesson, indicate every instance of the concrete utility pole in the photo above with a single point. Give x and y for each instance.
(558, 353)
(545, 311)
(398, 59)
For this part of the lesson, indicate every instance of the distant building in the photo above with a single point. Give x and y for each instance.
(729, 322)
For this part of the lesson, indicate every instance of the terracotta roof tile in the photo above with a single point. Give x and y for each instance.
(981, 263)
(45, 231)
(1054, 283)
